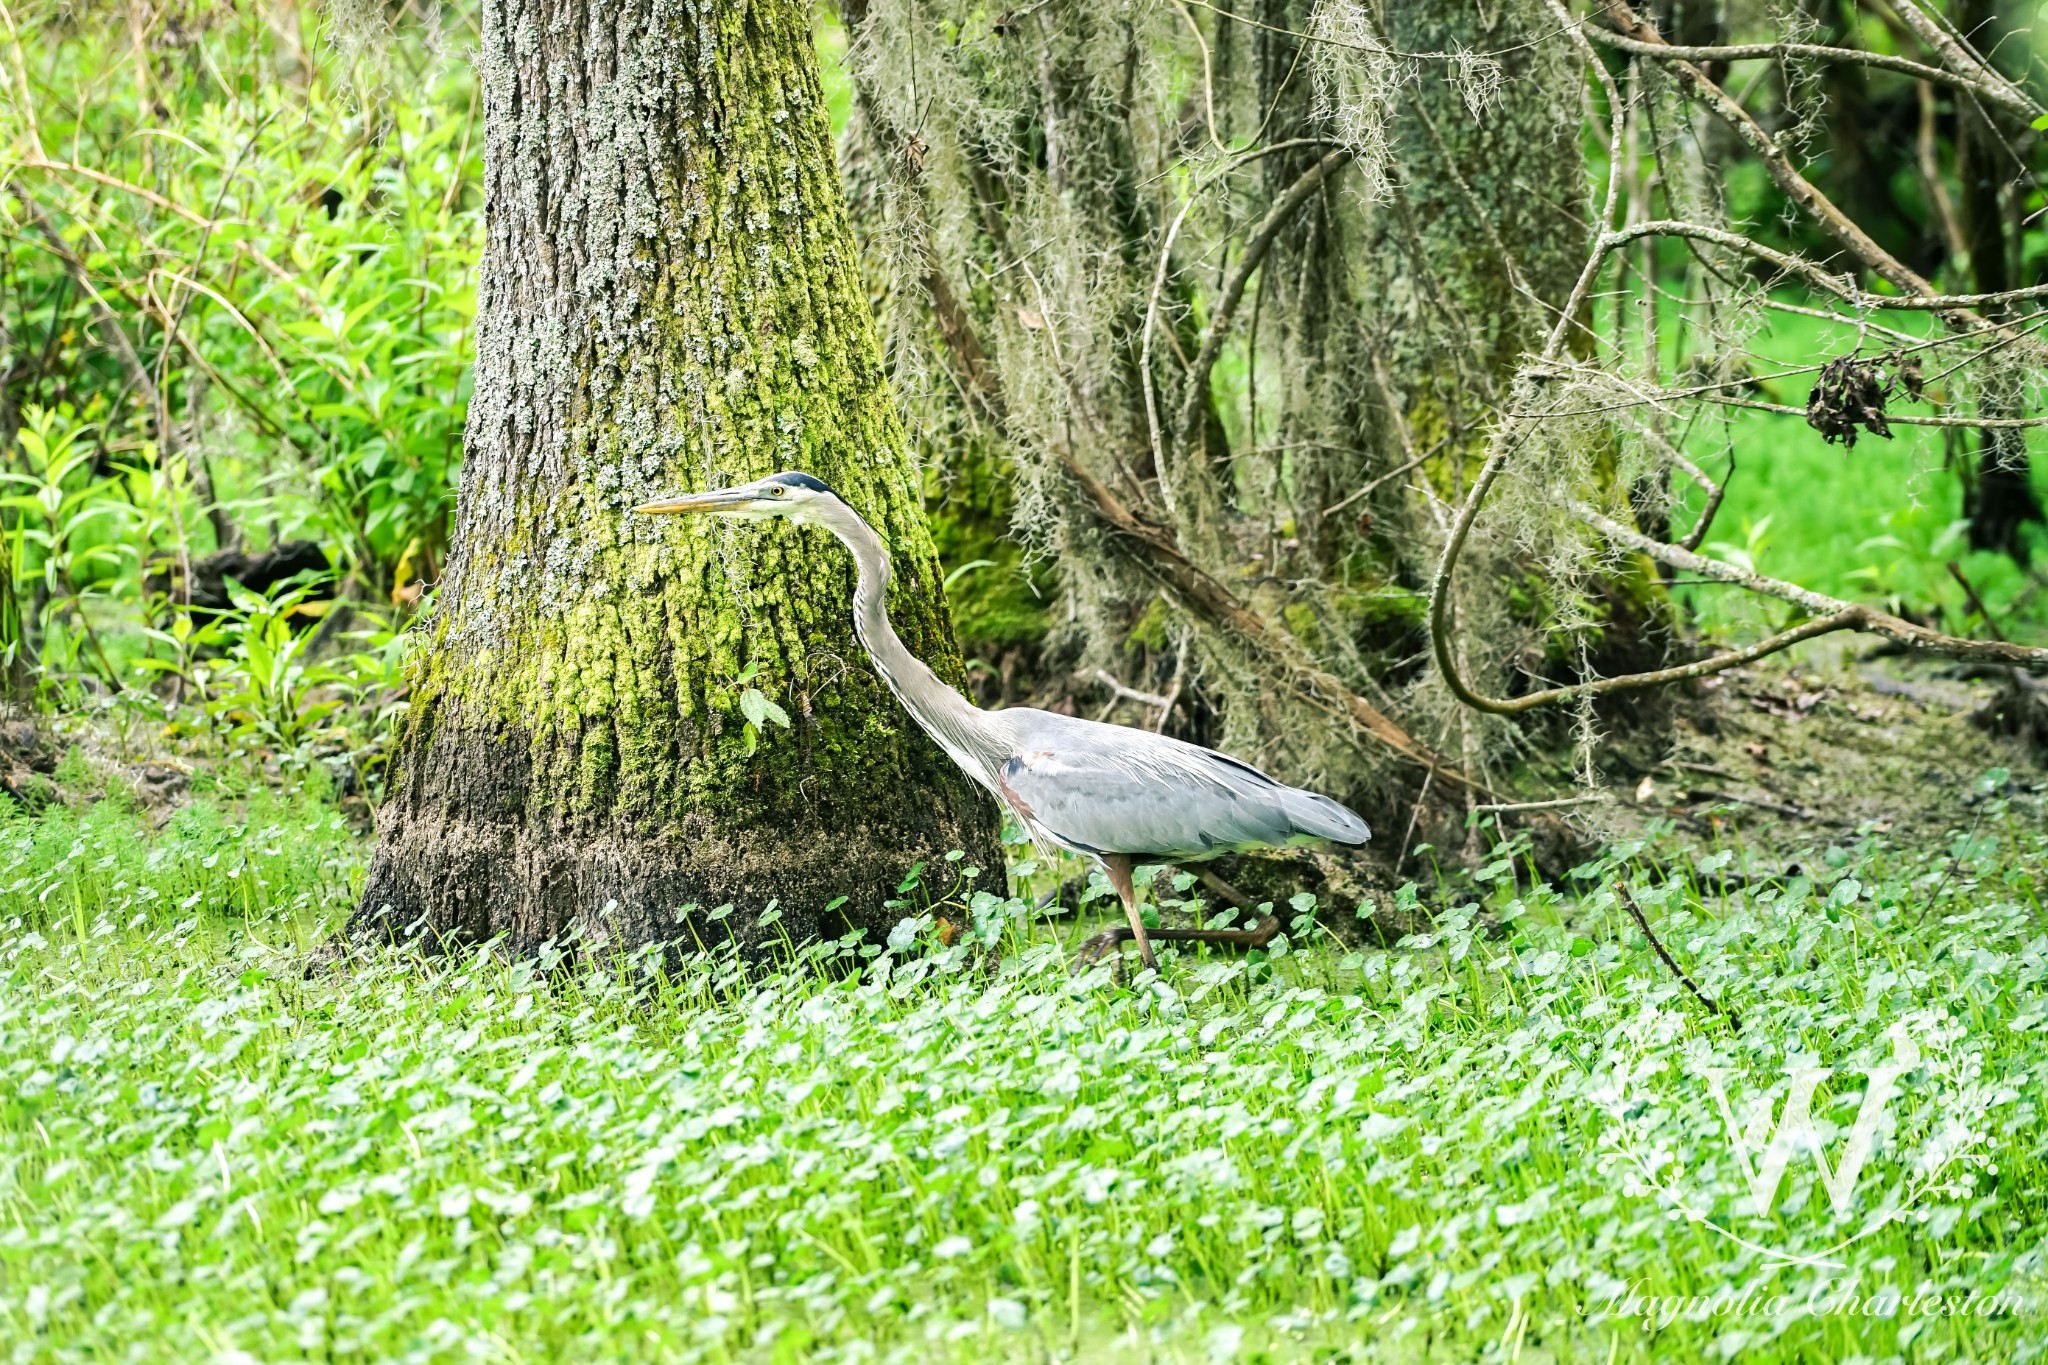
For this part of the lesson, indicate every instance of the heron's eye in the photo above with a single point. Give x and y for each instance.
(777, 490)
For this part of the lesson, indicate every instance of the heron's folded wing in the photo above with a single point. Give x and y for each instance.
(1110, 790)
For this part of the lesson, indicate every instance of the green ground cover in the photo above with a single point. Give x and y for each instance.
(1469, 1148)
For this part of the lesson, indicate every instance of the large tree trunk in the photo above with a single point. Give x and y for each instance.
(669, 295)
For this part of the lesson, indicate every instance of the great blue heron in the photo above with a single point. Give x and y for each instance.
(1117, 795)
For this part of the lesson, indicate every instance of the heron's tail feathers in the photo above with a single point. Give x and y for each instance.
(1318, 817)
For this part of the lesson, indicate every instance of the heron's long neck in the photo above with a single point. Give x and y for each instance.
(959, 727)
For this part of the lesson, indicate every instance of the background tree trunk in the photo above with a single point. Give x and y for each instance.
(1999, 498)
(670, 297)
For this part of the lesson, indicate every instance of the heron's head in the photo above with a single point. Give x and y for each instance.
(789, 494)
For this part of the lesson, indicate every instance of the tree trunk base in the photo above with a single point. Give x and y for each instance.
(464, 857)
(450, 885)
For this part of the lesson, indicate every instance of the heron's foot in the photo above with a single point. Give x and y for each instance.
(1107, 945)
(1102, 945)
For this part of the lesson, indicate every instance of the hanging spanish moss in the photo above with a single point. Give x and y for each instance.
(1287, 321)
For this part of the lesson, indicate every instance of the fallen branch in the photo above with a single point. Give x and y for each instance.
(1159, 554)
(1509, 807)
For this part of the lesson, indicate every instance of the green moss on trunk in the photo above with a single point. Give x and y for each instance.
(670, 298)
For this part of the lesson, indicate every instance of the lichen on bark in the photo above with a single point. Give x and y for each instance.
(670, 297)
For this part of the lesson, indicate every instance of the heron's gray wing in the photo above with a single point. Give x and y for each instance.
(1107, 789)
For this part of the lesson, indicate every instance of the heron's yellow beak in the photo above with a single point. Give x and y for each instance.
(716, 500)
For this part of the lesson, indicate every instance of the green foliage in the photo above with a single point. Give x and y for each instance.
(893, 1151)
(275, 868)
(292, 256)
(755, 706)
(238, 281)
(69, 535)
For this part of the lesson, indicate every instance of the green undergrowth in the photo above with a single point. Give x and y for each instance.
(1473, 1147)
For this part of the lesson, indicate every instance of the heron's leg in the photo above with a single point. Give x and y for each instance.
(1257, 936)
(1118, 867)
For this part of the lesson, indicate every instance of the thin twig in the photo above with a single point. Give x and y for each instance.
(1220, 318)
(1508, 808)
(1636, 912)
(1145, 354)
(1387, 477)
(1976, 602)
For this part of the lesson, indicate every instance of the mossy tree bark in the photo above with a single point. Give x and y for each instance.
(670, 296)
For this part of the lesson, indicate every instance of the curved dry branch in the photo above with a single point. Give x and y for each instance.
(1637, 682)
(1830, 614)
(1617, 132)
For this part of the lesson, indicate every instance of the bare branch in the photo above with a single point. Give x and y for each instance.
(1715, 492)
(1918, 639)
(2002, 94)
(1841, 287)
(1981, 78)
(1161, 556)
(1898, 419)
(1796, 187)
(1145, 353)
